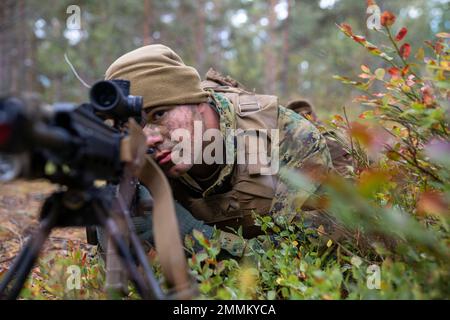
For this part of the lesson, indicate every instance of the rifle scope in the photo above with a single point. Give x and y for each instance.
(111, 100)
(72, 139)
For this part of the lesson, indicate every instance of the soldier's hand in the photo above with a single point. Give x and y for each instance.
(186, 221)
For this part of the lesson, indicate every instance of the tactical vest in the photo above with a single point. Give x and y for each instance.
(250, 191)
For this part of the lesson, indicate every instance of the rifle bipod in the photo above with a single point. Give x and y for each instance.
(81, 208)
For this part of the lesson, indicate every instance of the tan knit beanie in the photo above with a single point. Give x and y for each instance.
(159, 75)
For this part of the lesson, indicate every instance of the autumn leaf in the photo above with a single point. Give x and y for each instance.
(366, 115)
(427, 95)
(365, 76)
(387, 19)
(329, 243)
(405, 50)
(439, 47)
(373, 49)
(405, 70)
(83, 260)
(365, 68)
(371, 180)
(338, 118)
(392, 155)
(361, 132)
(359, 39)
(401, 34)
(361, 98)
(406, 88)
(346, 80)
(394, 72)
(346, 28)
(444, 35)
(432, 202)
(420, 54)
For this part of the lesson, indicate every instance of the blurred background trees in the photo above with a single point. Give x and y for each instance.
(291, 48)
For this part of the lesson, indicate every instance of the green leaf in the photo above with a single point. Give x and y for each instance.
(271, 295)
(380, 73)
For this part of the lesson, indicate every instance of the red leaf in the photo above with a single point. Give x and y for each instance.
(374, 50)
(394, 72)
(346, 28)
(83, 259)
(365, 68)
(439, 47)
(401, 34)
(359, 39)
(405, 50)
(361, 99)
(427, 95)
(405, 70)
(387, 19)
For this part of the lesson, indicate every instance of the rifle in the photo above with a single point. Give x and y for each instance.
(73, 147)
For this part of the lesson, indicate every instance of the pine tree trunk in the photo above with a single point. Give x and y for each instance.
(286, 52)
(147, 25)
(200, 38)
(270, 73)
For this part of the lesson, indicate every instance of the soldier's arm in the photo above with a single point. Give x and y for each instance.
(303, 150)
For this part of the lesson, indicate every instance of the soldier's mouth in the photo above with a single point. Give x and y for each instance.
(164, 157)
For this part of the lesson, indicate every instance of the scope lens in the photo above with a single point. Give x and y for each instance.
(104, 94)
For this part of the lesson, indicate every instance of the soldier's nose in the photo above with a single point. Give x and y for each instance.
(153, 138)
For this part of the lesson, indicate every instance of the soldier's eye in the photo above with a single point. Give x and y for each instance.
(157, 116)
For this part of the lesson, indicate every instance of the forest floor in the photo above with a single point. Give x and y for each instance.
(20, 203)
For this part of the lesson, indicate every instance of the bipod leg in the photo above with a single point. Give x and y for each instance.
(24, 262)
(123, 250)
(156, 291)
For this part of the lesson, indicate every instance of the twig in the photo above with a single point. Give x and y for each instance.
(8, 259)
(414, 164)
(350, 136)
(18, 235)
(75, 71)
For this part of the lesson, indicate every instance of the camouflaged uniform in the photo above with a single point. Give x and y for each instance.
(238, 190)
(341, 158)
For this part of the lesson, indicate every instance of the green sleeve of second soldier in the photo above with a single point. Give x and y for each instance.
(143, 226)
